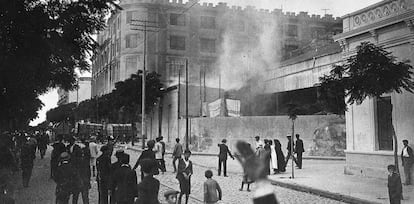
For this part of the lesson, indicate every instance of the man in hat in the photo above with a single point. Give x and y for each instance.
(93, 148)
(65, 179)
(407, 159)
(103, 164)
(84, 171)
(119, 154)
(177, 153)
(299, 150)
(58, 149)
(124, 182)
(171, 196)
(149, 186)
(223, 154)
(146, 154)
(74, 151)
(289, 149)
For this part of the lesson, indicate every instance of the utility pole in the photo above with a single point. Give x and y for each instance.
(178, 102)
(144, 26)
(325, 10)
(186, 104)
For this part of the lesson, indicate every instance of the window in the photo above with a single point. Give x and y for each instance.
(118, 45)
(384, 123)
(177, 42)
(208, 22)
(131, 40)
(207, 45)
(131, 15)
(177, 19)
(292, 31)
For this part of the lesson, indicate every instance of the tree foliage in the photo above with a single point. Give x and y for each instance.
(122, 105)
(42, 43)
(372, 72)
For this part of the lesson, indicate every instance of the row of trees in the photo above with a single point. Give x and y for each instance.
(42, 43)
(122, 105)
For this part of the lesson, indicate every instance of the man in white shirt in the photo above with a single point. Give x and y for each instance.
(158, 149)
(93, 147)
(407, 158)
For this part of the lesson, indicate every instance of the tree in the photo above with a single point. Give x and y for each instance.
(42, 43)
(122, 105)
(372, 72)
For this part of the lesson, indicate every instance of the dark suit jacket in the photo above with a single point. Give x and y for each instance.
(394, 186)
(75, 155)
(103, 165)
(299, 146)
(146, 154)
(148, 191)
(410, 154)
(183, 169)
(224, 151)
(124, 184)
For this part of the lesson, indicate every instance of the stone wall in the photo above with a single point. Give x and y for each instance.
(322, 135)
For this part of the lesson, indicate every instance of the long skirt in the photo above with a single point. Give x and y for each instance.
(185, 185)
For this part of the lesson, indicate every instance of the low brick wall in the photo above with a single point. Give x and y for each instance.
(322, 135)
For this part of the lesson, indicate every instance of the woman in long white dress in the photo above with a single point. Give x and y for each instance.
(273, 157)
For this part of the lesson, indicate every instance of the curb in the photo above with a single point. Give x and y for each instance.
(305, 157)
(323, 193)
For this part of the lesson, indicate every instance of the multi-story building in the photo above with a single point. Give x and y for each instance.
(83, 92)
(177, 31)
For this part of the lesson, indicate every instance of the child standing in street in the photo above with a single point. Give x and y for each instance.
(394, 185)
(212, 190)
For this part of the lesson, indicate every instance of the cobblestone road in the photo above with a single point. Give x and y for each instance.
(231, 184)
(41, 189)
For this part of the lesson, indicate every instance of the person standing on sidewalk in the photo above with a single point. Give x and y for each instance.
(212, 190)
(407, 157)
(177, 153)
(27, 156)
(299, 150)
(163, 153)
(223, 154)
(149, 186)
(42, 145)
(185, 170)
(289, 149)
(58, 149)
(394, 185)
(93, 148)
(258, 144)
(84, 171)
(124, 182)
(146, 154)
(103, 164)
(280, 157)
(65, 175)
(171, 196)
(158, 149)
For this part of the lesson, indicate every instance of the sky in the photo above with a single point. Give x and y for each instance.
(337, 8)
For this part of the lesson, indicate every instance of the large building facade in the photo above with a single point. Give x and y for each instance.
(177, 31)
(369, 126)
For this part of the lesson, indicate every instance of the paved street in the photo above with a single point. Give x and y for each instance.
(41, 189)
(229, 185)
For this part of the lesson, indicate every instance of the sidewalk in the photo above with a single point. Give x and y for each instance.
(322, 177)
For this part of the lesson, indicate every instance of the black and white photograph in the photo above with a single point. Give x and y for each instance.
(206, 101)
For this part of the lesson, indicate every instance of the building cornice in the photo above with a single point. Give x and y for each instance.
(407, 16)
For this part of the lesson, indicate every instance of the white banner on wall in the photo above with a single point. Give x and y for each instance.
(214, 108)
(233, 107)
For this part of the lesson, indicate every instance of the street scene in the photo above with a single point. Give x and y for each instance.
(206, 101)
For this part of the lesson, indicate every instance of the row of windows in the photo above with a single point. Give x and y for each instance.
(206, 45)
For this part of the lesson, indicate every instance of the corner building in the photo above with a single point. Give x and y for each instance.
(177, 31)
